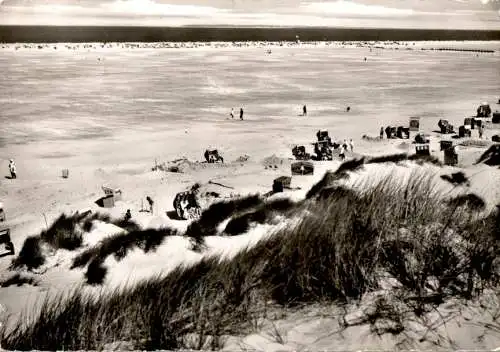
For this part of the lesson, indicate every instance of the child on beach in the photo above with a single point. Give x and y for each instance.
(12, 169)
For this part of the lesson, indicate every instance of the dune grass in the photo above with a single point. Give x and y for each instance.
(216, 214)
(118, 246)
(66, 232)
(18, 280)
(345, 244)
(30, 256)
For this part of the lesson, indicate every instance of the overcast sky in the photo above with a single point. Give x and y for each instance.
(453, 14)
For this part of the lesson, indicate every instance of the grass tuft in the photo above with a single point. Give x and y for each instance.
(18, 280)
(31, 255)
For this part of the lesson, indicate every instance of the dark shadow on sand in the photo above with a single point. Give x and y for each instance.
(172, 215)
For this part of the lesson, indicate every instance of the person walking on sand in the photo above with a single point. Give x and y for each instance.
(351, 145)
(241, 113)
(232, 113)
(342, 152)
(151, 203)
(12, 169)
(304, 110)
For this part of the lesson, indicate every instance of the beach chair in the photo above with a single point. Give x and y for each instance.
(443, 145)
(302, 168)
(116, 193)
(463, 131)
(299, 152)
(450, 157)
(414, 124)
(213, 156)
(422, 139)
(469, 122)
(280, 183)
(422, 149)
(496, 117)
(6, 241)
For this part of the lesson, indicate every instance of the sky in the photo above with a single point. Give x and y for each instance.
(434, 14)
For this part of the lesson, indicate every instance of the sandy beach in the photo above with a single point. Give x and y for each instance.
(108, 114)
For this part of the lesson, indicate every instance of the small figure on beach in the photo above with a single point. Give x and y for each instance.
(232, 113)
(342, 152)
(241, 113)
(348, 109)
(345, 144)
(304, 110)
(12, 169)
(351, 145)
(151, 203)
(128, 215)
(480, 130)
(382, 132)
(365, 57)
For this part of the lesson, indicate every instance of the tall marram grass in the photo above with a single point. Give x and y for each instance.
(346, 243)
(66, 232)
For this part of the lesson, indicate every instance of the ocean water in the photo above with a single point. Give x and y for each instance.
(64, 94)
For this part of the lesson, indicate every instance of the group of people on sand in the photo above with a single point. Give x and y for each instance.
(345, 147)
(232, 113)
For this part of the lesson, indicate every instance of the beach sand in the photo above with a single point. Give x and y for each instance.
(108, 115)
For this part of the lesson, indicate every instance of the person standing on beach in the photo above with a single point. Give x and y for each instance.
(342, 152)
(12, 169)
(382, 132)
(151, 203)
(241, 113)
(351, 145)
(480, 131)
(304, 110)
(232, 113)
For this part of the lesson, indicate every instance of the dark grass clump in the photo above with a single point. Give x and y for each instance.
(88, 221)
(425, 159)
(340, 250)
(491, 156)
(394, 158)
(119, 245)
(31, 255)
(18, 280)
(457, 179)
(470, 200)
(215, 214)
(336, 192)
(331, 177)
(96, 272)
(63, 233)
(261, 215)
